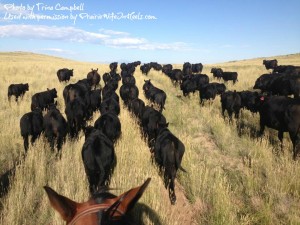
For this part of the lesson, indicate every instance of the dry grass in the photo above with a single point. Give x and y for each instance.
(233, 178)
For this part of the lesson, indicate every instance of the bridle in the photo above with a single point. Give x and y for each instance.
(93, 209)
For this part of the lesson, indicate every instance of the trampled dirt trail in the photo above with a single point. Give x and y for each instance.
(183, 209)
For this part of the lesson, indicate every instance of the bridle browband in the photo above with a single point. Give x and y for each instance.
(92, 209)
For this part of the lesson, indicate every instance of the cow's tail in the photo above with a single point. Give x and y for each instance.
(178, 157)
(26, 143)
(9, 94)
(182, 169)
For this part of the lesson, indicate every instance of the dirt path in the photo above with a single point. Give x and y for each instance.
(183, 207)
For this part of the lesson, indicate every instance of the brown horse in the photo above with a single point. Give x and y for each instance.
(103, 209)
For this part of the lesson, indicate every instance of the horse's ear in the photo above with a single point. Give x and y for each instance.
(129, 198)
(66, 207)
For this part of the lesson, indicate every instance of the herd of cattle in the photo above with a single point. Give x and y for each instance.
(276, 109)
(83, 98)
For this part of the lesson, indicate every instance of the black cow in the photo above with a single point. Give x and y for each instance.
(129, 68)
(64, 74)
(111, 86)
(115, 76)
(282, 113)
(166, 69)
(43, 99)
(110, 105)
(176, 76)
(249, 100)
(279, 84)
(145, 68)
(99, 159)
(270, 64)
(151, 119)
(197, 68)
(18, 90)
(187, 69)
(264, 82)
(221, 88)
(207, 92)
(217, 73)
(94, 78)
(113, 66)
(154, 94)
(168, 153)
(230, 76)
(128, 80)
(193, 83)
(137, 106)
(128, 92)
(109, 124)
(155, 66)
(95, 100)
(106, 78)
(232, 102)
(31, 124)
(287, 69)
(81, 89)
(55, 127)
(110, 94)
(76, 112)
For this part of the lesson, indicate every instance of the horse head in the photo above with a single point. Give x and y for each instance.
(105, 209)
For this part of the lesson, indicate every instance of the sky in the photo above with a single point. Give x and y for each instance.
(163, 31)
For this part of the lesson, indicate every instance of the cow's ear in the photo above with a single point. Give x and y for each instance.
(64, 206)
(55, 103)
(72, 70)
(167, 124)
(48, 89)
(92, 69)
(97, 69)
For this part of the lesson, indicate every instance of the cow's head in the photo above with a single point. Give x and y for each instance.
(52, 92)
(88, 130)
(258, 84)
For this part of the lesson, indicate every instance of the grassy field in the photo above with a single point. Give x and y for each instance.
(233, 177)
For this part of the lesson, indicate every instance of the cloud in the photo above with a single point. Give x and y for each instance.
(113, 32)
(50, 33)
(56, 50)
(110, 38)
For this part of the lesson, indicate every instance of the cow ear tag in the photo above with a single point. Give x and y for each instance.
(262, 98)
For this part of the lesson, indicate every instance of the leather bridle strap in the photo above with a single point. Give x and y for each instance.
(92, 209)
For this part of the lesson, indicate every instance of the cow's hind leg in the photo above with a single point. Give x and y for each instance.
(172, 195)
(60, 141)
(51, 140)
(26, 143)
(296, 144)
(33, 138)
(223, 112)
(280, 137)
(262, 127)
